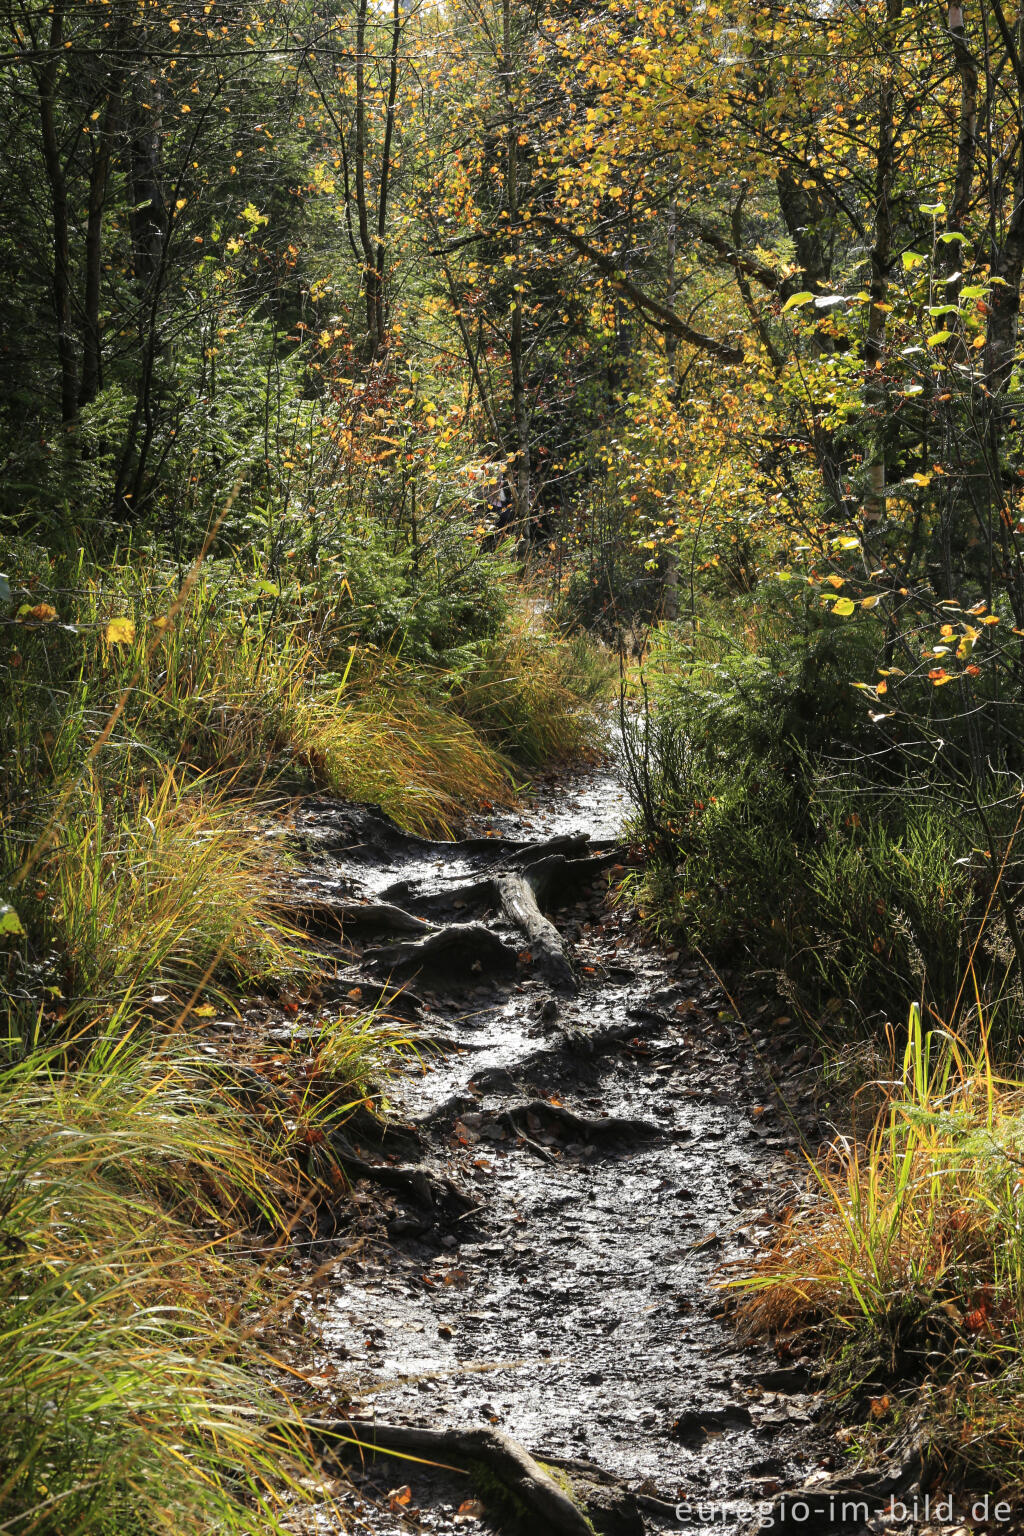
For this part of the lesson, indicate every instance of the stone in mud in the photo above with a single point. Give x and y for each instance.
(695, 1425)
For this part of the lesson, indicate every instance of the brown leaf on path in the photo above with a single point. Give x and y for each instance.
(398, 1498)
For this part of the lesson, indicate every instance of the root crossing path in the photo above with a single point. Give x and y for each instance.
(581, 1144)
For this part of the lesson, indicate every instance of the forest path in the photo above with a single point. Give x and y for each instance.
(569, 1169)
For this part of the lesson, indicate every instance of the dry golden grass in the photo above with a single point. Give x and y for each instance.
(423, 764)
(161, 888)
(908, 1254)
(131, 1400)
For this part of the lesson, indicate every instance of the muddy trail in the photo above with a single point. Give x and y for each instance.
(581, 1141)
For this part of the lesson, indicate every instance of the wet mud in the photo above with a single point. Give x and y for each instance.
(574, 1168)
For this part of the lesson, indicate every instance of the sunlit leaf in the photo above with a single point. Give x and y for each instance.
(119, 632)
(10, 922)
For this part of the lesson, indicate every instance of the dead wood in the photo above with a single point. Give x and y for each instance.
(547, 949)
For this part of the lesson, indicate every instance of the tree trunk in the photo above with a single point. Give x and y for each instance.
(520, 401)
(380, 296)
(669, 550)
(92, 357)
(371, 276)
(61, 283)
(875, 392)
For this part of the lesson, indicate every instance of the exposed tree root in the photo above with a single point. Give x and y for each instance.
(418, 1185)
(542, 872)
(547, 950)
(369, 916)
(568, 845)
(334, 827)
(551, 1511)
(612, 1506)
(569, 1126)
(457, 950)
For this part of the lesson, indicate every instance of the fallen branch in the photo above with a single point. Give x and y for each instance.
(547, 949)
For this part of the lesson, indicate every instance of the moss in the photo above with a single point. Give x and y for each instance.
(508, 1506)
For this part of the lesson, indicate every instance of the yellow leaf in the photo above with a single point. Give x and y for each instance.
(871, 602)
(119, 632)
(845, 606)
(206, 1011)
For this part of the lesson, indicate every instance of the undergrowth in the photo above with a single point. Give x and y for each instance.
(906, 1260)
(131, 1399)
(815, 857)
(158, 729)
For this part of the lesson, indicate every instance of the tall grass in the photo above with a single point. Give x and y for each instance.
(264, 684)
(392, 746)
(535, 693)
(130, 1399)
(167, 885)
(908, 1255)
(147, 725)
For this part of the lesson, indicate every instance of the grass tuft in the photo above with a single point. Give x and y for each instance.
(907, 1257)
(161, 887)
(130, 1399)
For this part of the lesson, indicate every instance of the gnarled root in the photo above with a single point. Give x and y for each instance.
(552, 1511)
(456, 950)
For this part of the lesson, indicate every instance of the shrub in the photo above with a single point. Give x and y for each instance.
(774, 819)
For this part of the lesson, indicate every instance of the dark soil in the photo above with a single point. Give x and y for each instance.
(565, 1180)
